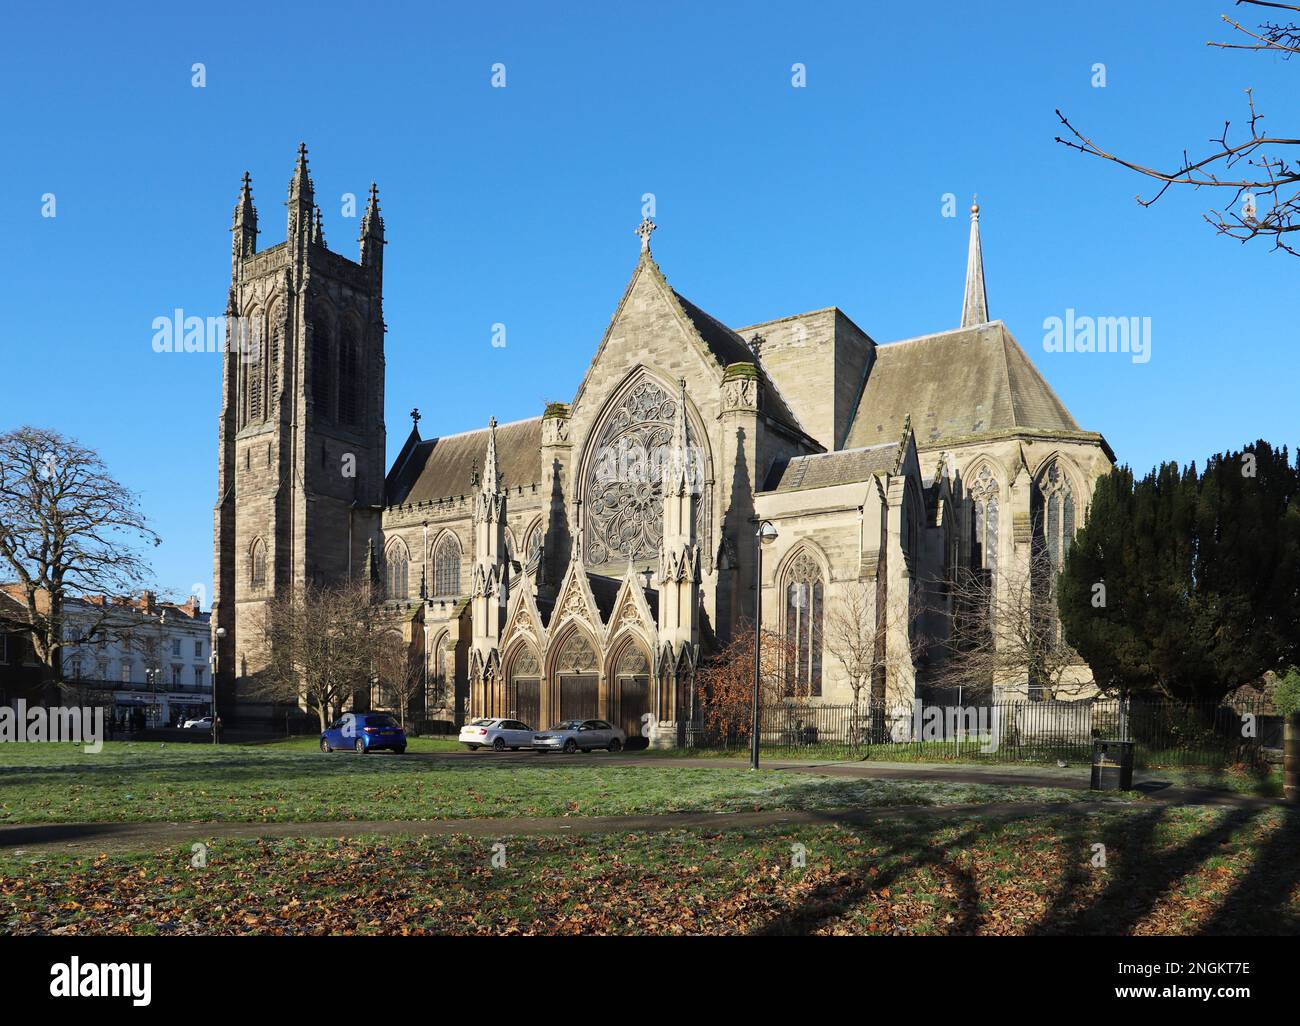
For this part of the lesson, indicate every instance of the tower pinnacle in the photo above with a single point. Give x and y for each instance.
(372, 232)
(244, 224)
(302, 204)
(491, 477)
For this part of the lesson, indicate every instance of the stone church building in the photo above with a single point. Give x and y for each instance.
(582, 562)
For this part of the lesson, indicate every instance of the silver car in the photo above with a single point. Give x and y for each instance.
(497, 734)
(572, 735)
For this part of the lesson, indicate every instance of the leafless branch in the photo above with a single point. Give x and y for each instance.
(1265, 183)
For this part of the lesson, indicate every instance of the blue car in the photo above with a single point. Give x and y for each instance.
(364, 732)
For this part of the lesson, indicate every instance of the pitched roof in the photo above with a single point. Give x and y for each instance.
(824, 470)
(605, 591)
(726, 346)
(11, 610)
(440, 468)
(969, 381)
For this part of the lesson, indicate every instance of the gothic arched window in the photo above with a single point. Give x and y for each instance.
(257, 565)
(1054, 513)
(274, 340)
(804, 602)
(398, 562)
(349, 377)
(322, 369)
(623, 490)
(252, 367)
(446, 566)
(436, 689)
(986, 496)
(533, 548)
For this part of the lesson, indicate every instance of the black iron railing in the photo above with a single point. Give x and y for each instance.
(1165, 732)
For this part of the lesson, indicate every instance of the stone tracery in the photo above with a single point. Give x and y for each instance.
(623, 490)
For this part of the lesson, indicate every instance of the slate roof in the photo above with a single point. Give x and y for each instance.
(723, 343)
(970, 381)
(440, 468)
(11, 610)
(605, 591)
(827, 469)
(727, 348)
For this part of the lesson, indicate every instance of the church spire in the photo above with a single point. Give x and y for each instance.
(975, 306)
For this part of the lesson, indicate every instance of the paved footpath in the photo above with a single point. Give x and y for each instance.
(97, 837)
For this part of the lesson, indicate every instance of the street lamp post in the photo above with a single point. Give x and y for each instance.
(217, 635)
(765, 535)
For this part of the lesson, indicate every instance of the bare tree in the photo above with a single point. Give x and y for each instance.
(858, 624)
(850, 633)
(1005, 629)
(321, 646)
(725, 683)
(1256, 168)
(66, 526)
(400, 671)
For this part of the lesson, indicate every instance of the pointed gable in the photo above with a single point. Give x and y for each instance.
(523, 619)
(631, 610)
(652, 312)
(575, 600)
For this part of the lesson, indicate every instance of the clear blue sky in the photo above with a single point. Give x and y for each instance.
(517, 205)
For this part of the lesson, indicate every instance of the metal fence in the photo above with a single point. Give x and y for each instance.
(1166, 733)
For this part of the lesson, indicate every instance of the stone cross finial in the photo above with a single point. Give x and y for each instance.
(756, 344)
(645, 229)
(415, 417)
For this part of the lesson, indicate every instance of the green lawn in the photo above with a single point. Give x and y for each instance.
(290, 781)
(1167, 870)
(1265, 781)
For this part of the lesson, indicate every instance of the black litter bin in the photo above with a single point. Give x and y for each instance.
(1112, 765)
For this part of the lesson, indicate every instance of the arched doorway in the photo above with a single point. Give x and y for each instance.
(524, 688)
(632, 689)
(577, 678)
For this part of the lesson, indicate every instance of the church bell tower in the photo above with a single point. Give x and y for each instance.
(301, 431)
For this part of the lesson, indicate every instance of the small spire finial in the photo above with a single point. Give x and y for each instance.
(415, 418)
(645, 230)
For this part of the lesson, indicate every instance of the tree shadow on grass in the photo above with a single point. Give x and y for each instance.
(1257, 904)
(1138, 872)
(915, 847)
